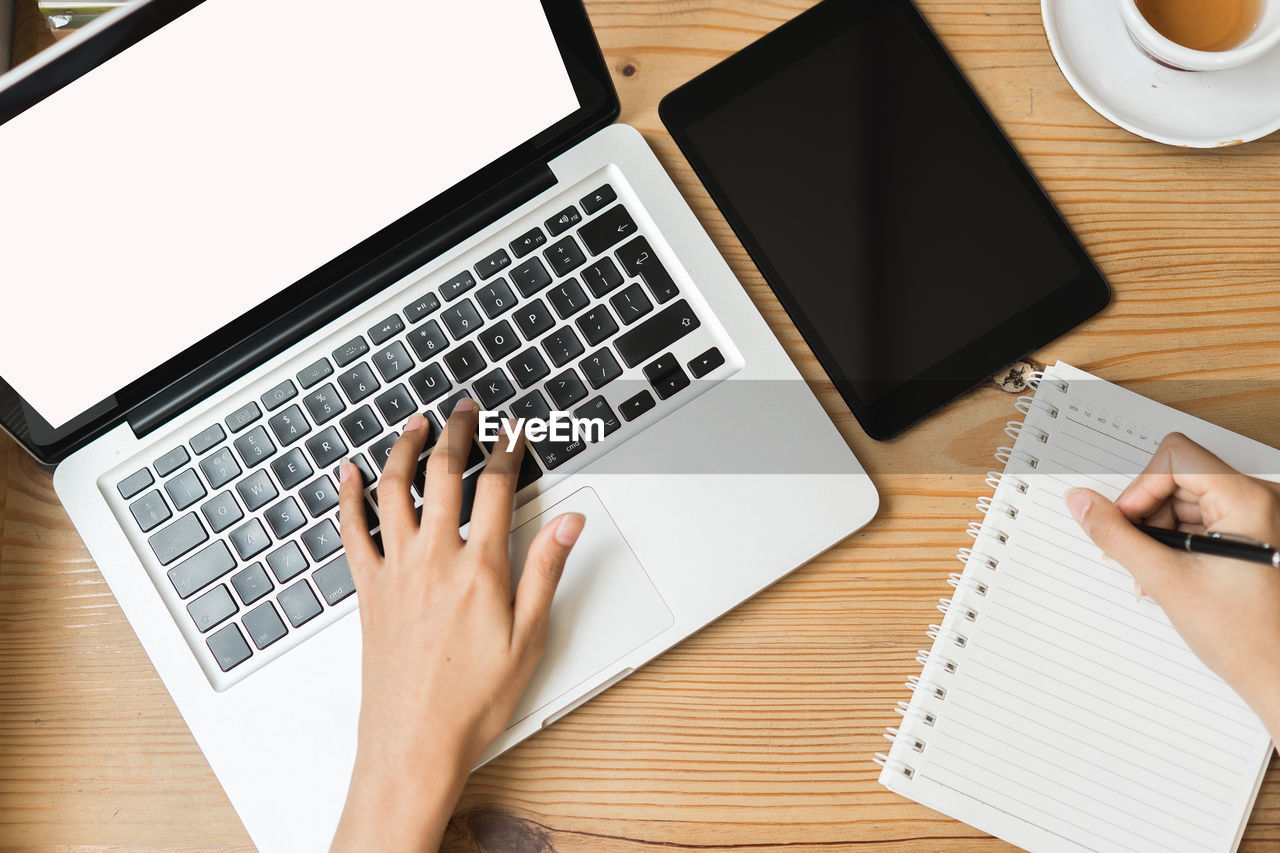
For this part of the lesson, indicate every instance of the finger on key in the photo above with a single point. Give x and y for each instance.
(496, 494)
(395, 503)
(442, 493)
(362, 554)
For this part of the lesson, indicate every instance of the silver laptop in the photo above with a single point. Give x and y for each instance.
(292, 234)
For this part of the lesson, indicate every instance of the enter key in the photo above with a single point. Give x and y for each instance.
(638, 259)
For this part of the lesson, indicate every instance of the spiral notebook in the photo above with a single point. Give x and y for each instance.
(1053, 710)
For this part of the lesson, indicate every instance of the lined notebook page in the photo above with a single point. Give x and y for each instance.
(1075, 718)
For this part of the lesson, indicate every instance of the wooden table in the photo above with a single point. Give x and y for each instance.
(758, 732)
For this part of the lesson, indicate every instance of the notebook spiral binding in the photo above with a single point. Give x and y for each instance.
(959, 611)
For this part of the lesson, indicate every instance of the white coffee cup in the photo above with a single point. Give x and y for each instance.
(1265, 37)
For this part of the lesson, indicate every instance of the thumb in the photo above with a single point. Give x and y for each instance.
(1150, 563)
(542, 570)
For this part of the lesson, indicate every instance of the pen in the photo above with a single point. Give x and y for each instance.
(1216, 545)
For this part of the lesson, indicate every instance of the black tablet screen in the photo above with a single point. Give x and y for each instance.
(878, 192)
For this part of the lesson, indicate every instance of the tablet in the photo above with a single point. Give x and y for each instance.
(893, 219)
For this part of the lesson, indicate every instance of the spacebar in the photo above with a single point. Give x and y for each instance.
(657, 333)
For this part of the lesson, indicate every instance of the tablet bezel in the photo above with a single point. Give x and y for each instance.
(966, 367)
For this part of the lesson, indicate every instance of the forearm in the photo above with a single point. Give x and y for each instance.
(391, 810)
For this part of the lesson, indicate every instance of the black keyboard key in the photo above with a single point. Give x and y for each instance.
(366, 473)
(220, 468)
(599, 199)
(534, 318)
(320, 496)
(263, 625)
(393, 362)
(568, 298)
(207, 439)
(287, 562)
(528, 367)
(531, 405)
(150, 511)
(602, 277)
(279, 395)
(609, 229)
(382, 449)
(362, 426)
(134, 483)
(350, 351)
(555, 453)
(299, 603)
(530, 277)
(494, 388)
(499, 341)
(666, 376)
(446, 408)
(564, 256)
(493, 264)
(566, 389)
(250, 539)
(657, 333)
(289, 426)
(314, 373)
(530, 472)
(256, 490)
(430, 383)
(228, 647)
(705, 363)
(456, 286)
(334, 580)
(562, 346)
(198, 571)
(638, 259)
(637, 405)
(468, 497)
(324, 404)
(172, 461)
(212, 609)
(527, 242)
(422, 307)
(597, 325)
(428, 340)
(251, 583)
(396, 405)
(598, 408)
(496, 297)
(284, 518)
(386, 330)
(465, 361)
(563, 221)
(462, 319)
(255, 447)
(221, 511)
(242, 417)
(358, 382)
(321, 540)
(600, 368)
(185, 489)
(631, 304)
(326, 448)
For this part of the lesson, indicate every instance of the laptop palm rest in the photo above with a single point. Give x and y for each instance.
(605, 606)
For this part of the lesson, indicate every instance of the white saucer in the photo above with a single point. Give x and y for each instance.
(1195, 109)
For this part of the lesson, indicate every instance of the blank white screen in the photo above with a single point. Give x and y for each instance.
(231, 156)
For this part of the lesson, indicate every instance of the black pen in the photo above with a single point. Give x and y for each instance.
(1216, 545)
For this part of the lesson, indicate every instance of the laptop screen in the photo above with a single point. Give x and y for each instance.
(224, 157)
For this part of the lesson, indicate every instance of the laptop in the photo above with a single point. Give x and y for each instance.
(308, 228)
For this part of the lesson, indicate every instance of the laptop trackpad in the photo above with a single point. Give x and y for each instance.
(605, 606)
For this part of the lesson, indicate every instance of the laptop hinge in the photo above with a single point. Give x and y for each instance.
(334, 300)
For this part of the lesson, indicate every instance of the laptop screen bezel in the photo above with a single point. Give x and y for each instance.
(323, 288)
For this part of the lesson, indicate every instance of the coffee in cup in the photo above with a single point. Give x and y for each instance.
(1203, 35)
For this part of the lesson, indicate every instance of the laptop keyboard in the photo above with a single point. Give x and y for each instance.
(241, 519)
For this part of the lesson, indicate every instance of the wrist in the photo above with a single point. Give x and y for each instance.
(393, 806)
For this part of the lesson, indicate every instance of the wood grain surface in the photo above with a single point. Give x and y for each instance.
(757, 733)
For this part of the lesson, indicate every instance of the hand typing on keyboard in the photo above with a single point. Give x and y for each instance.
(447, 652)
